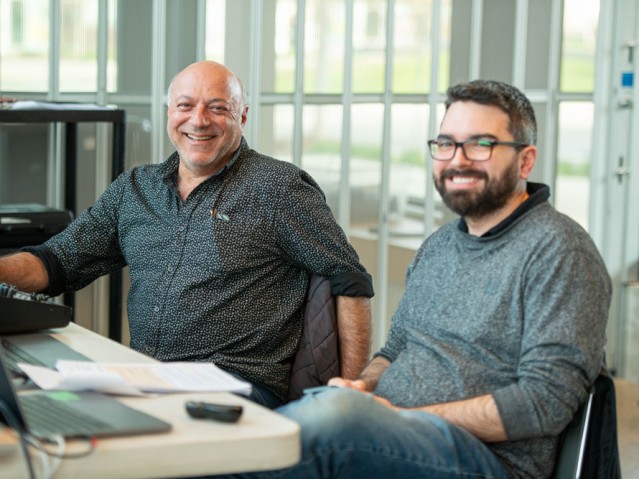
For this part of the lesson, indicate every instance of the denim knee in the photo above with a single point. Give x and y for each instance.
(328, 413)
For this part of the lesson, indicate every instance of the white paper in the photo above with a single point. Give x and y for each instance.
(46, 105)
(49, 379)
(160, 377)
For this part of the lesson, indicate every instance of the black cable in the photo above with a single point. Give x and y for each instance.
(12, 421)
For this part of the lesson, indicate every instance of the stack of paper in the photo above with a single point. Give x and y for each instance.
(135, 379)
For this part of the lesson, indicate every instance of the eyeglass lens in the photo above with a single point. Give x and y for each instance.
(474, 150)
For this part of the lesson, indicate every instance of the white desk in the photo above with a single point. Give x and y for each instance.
(261, 440)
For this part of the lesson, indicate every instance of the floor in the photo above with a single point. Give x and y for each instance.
(627, 393)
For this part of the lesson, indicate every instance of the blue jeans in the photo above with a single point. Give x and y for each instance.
(260, 394)
(347, 434)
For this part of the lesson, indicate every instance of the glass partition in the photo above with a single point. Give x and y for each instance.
(78, 45)
(573, 160)
(24, 46)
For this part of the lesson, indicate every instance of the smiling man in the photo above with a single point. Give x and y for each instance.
(207, 112)
(483, 192)
(220, 242)
(499, 334)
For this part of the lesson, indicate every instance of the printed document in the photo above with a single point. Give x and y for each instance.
(136, 378)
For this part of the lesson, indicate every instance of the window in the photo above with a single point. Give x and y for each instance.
(78, 45)
(578, 45)
(24, 45)
(576, 111)
(573, 155)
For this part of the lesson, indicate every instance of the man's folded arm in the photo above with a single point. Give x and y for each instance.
(479, 416)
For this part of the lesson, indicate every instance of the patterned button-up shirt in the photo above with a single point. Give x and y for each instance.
(219, 277)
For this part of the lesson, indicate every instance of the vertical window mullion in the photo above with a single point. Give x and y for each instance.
(200, 31)
(253, 86)
(347, 101)
(298, 94)
(474, 68)
(519, 51)
(54, 51)
(433, 100)
(157, 80)
(552, 105)
(102, 57)
(55, 169)
(103, 170)
(603, 126)
(383, 230)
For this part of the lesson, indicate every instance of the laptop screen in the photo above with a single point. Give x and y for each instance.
(9, 399)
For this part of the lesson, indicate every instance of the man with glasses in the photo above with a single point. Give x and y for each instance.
(500, 331)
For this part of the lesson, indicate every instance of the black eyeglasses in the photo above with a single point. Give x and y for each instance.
(475, 149)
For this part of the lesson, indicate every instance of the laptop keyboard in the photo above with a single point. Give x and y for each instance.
(14, 355)
(47, 416)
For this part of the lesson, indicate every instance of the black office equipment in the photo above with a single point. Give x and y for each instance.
(217, 412)
(70, 119)
(29, 224)
(24, 316)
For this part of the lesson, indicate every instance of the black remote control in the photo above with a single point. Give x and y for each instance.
(217, 412)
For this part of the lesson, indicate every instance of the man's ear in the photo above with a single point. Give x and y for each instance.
(244, 116)
(527, 158)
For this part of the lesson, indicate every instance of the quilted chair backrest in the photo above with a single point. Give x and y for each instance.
(317, 357)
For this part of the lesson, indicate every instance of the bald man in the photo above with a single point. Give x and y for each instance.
(220, 242)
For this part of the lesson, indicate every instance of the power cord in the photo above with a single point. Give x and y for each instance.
(50, 459)
(39, 443)
(12, 421)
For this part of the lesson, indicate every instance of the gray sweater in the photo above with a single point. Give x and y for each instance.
(519, 313)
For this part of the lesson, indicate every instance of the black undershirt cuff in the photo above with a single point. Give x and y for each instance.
(52, 265)
(352, 284)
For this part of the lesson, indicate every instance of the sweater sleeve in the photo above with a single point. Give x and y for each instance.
(567, 299)
(396, 341)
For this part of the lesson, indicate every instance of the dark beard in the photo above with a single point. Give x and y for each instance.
(477, 205)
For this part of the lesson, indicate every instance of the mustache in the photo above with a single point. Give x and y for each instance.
(450, 172)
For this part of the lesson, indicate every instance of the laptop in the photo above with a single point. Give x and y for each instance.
(71, 414)
(38, 349)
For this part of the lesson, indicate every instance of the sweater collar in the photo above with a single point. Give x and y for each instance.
(538, 193)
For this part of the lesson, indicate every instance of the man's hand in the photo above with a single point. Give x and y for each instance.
(478, 415)
(367, 381)
(360, 385)
(386, 402)
(356, 384)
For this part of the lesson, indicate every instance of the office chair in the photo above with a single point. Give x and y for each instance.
(317, 357)
(588, 446)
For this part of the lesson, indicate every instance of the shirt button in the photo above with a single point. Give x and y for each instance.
(181, 228)
(156, 309)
